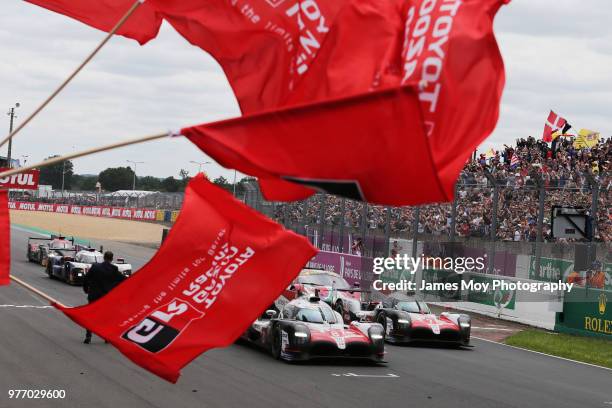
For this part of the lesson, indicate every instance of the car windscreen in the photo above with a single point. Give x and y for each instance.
(316, 315)
(324, 280)
(90, 258)
(413, 307)
(60, 244)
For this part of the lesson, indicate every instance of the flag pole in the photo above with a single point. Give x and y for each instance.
(74, 74)
(38, 292)
(59, 159)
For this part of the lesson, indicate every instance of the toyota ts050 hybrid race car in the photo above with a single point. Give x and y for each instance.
(308, 328)
(335, 291)
(39, 249)
(71, 266)
(410, 320)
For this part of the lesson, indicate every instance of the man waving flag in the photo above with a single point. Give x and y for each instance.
(220, 267)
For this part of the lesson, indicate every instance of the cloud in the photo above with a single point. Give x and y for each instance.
(557, 55)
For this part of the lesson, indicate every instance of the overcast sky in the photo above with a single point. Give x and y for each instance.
(558, 54)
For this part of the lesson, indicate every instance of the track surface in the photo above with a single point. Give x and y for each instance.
(42, 349)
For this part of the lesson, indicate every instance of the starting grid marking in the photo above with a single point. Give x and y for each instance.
(26, 306)
(366, 375)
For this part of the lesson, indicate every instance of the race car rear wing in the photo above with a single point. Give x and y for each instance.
(71, 239)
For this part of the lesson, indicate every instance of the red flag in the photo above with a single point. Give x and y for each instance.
(264, 47)
(553, 123)
(5, 239)
(220, 267)
(373, 146)
(446, 49)
(142, 26)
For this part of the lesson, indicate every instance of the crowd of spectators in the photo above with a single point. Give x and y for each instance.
(566, 174)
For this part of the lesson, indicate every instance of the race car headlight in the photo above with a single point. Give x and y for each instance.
(376, 336)
(376, 333)
(403, 321)
(300, 334)
(465, 322)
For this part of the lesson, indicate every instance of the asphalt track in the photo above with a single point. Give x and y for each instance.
(41, 349)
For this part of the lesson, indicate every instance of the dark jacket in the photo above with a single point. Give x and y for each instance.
(101, 278)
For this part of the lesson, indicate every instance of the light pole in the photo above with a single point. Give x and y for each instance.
(234, 183)
(64, 173)
(200, 164)
(12, 115)
(135, 163)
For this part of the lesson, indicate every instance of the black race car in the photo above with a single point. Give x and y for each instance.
(39, 249)
(308, 328)
(410, 320)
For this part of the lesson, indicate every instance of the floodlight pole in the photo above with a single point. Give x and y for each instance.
(12, 115)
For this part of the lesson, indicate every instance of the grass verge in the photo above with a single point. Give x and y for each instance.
(586, 349)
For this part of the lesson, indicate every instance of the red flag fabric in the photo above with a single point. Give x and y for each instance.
(553, 123)
(264, 47)
(219, 268)
(369, 147)
(445, 50)
(5, 239)
(142, 26)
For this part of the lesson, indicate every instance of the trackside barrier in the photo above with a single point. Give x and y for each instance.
(94, 211)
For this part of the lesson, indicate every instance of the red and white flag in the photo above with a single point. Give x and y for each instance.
(553, 123)
(220, 267)
(5, 239)
(514, 161)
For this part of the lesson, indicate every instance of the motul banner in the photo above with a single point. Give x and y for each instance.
(28, 180)
(96, 211)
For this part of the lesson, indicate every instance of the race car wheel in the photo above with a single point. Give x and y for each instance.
(49, 272)
(340, 309)
(276, 344)
(382, 320)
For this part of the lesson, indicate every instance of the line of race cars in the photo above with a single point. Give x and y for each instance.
(321, 316)
(64, 260)
(318, 316)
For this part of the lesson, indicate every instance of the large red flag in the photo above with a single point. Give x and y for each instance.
(446, 50)
(450, 52)
(265, 47)
(142, 26)
(5, 239)
(220, 267)
(368, 147)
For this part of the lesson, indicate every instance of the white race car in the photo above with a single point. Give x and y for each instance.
(73, 269)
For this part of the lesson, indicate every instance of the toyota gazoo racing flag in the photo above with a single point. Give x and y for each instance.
(5, 239)
(220, 267)
(142, 26)
(553, 123)
(265, 47)
(445, 51)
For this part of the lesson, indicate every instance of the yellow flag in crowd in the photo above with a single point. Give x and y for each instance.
(586, 139)
(490, 153)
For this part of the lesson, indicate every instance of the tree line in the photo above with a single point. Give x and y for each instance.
(121, 178)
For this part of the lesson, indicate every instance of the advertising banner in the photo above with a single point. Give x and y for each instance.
(586, 311)
(502, 299)
(28, 180)
(95, 211)
(355, 269)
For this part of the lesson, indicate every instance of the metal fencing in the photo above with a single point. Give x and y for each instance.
(497, 215)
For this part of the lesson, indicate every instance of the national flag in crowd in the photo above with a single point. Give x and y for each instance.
(490, 153)
(553, 124)
(586, 139)
(5, 239)
(219, 269)
(514, 161)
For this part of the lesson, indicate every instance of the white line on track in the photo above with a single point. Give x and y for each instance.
(27, 306)
(366, 375)
(543, 354)
(492, 328)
